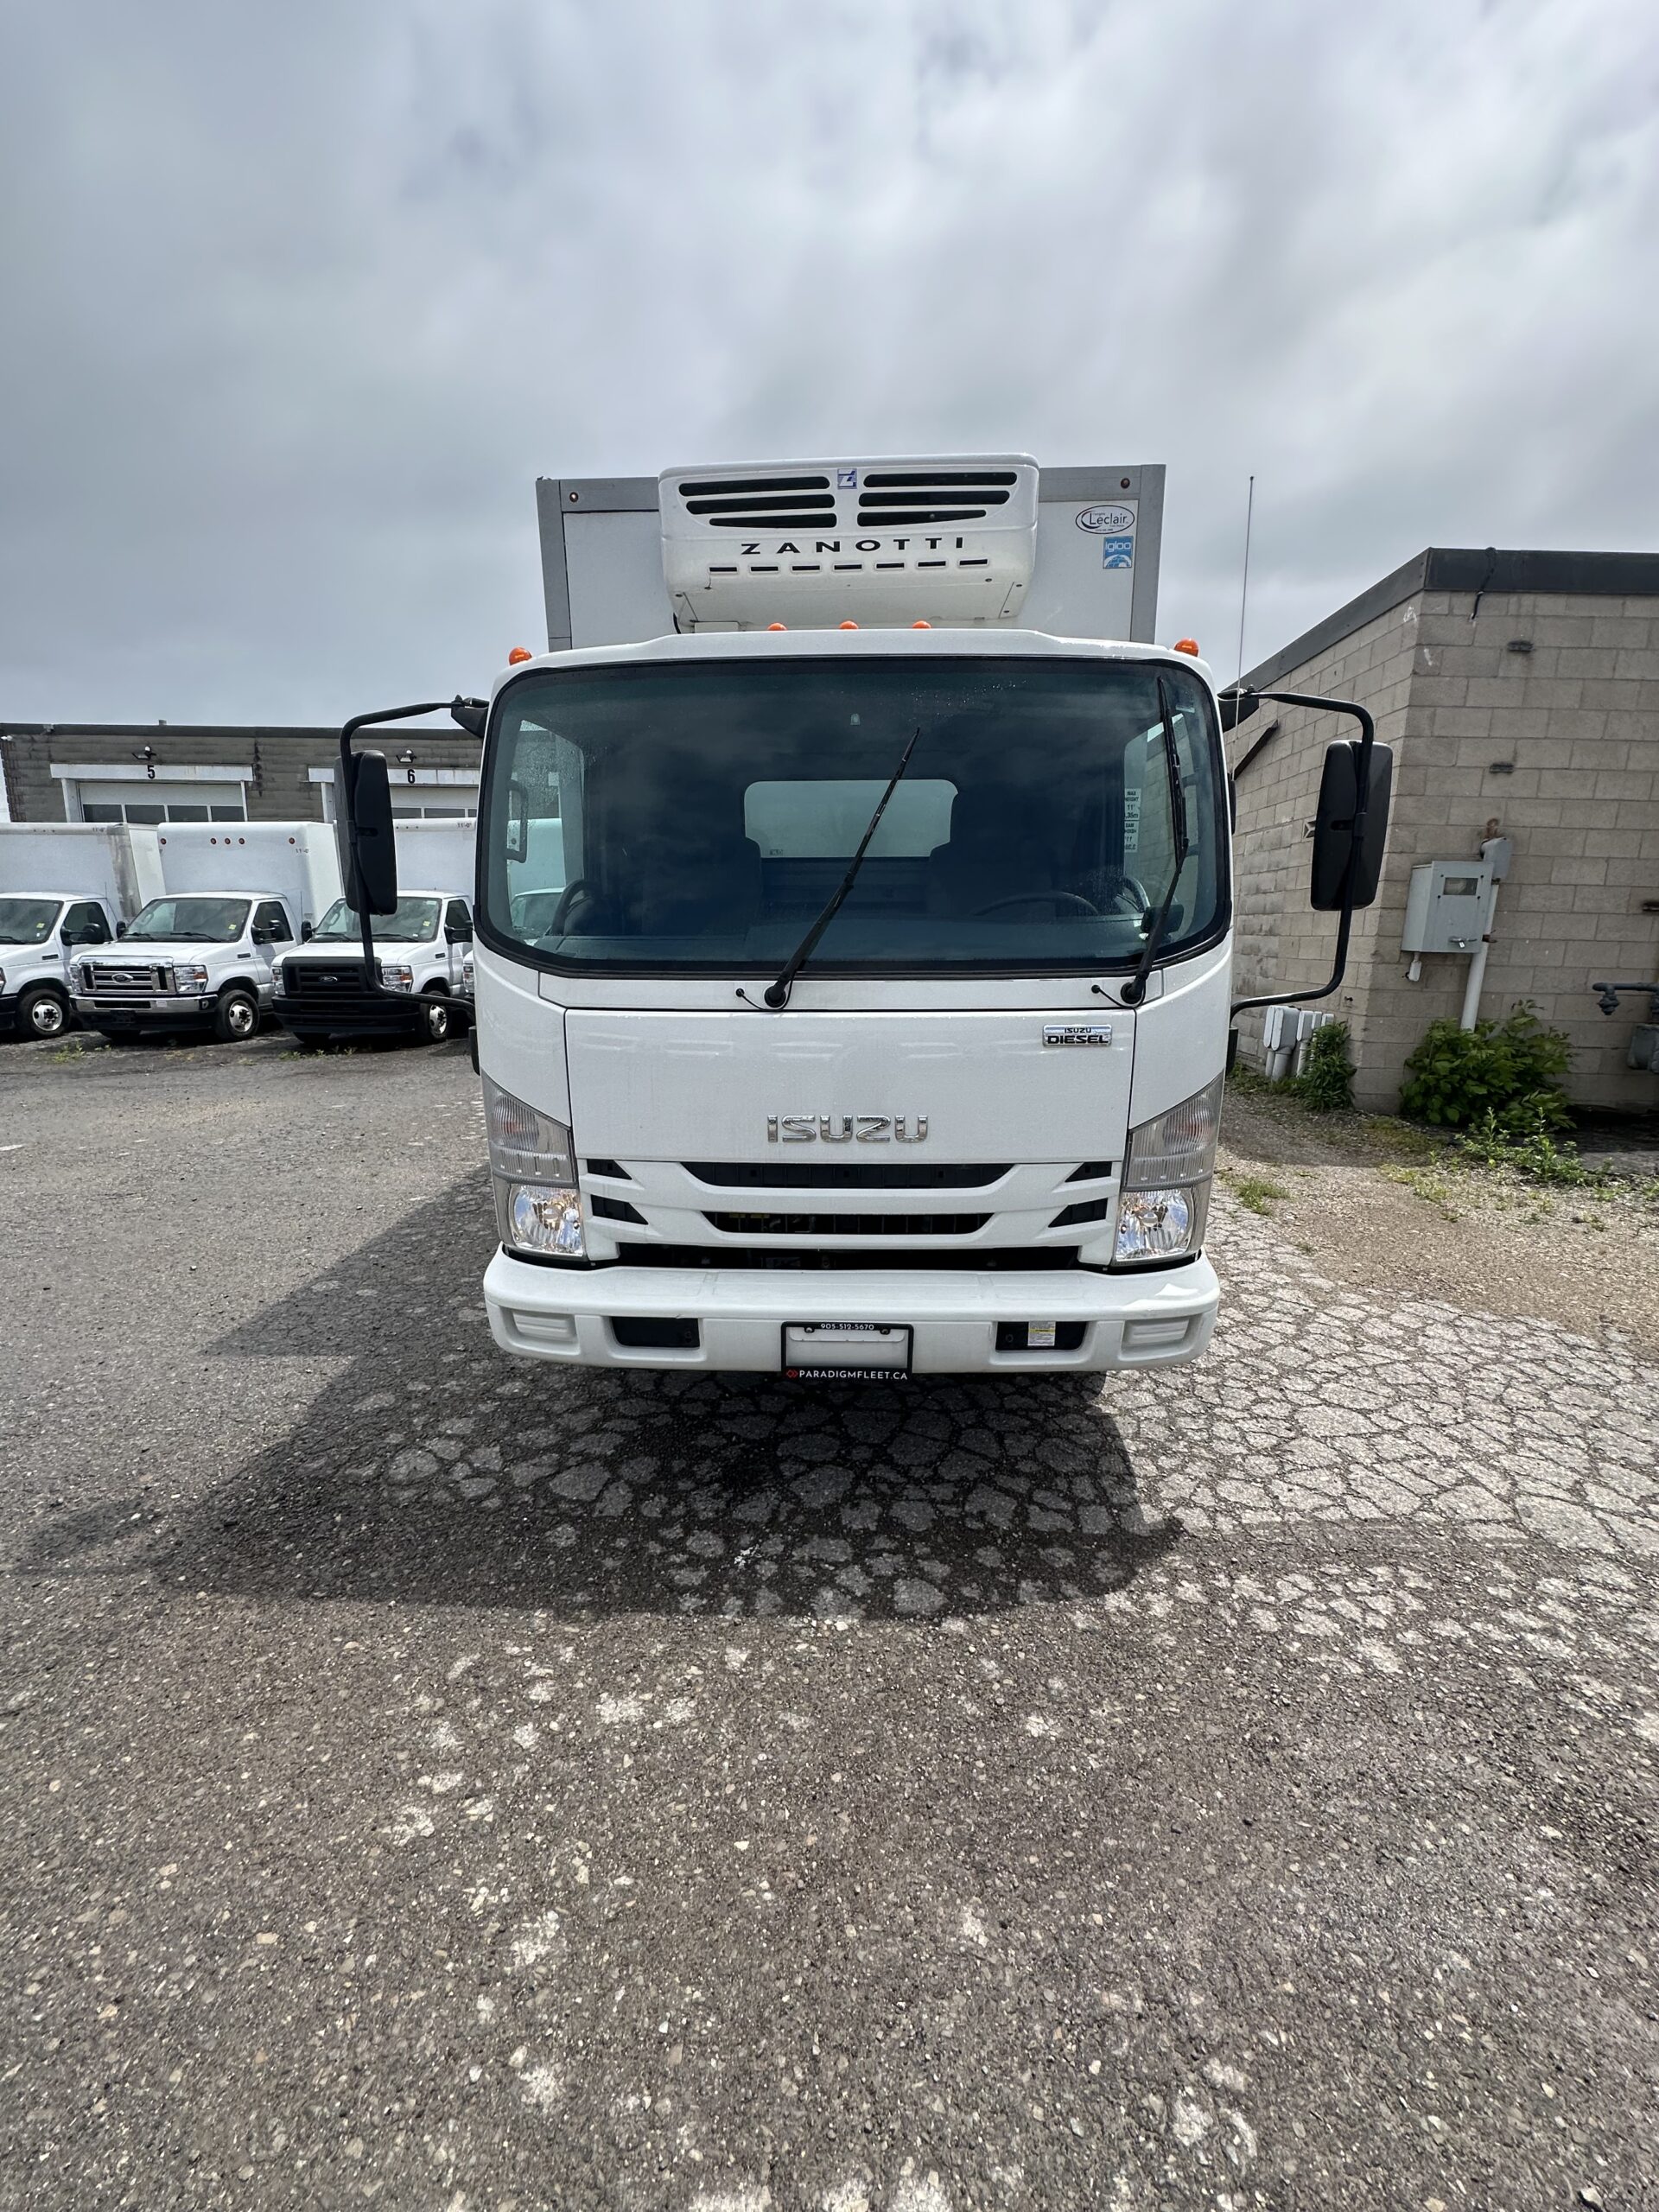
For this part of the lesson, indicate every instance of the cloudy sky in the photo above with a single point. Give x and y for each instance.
(299, 301)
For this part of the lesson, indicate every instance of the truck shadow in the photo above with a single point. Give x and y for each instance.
(433, 1470)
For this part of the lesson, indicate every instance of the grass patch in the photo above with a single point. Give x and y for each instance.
(1426, 1184)
(1402, 1139)
(1250, 1083)
(1255, 1192)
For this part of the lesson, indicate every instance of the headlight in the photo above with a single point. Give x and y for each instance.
(189, 976)
(537, 1207)
(540, 1217)
(2, 977)
(1166, 1189)
(397, 978)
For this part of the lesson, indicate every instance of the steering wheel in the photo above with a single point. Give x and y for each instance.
(1137, 891)
(556, 920)
(1072, 899)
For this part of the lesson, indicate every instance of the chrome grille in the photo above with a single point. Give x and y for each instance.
(109, 978)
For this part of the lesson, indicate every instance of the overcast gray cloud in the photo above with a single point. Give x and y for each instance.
(300, 301)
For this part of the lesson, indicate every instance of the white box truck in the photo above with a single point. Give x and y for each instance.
(196, 960)
(63, 887)
(872, 1021)
(423, 957)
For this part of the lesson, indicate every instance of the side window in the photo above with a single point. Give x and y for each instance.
(458, 916)
(270, 917)
(542, 837)
(86, 921)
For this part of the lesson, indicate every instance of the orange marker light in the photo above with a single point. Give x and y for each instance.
(777, 626)
(850, 625)
(517, 654)
(1187, 645)
(921, 625)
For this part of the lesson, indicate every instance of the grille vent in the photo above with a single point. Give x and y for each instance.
(837, 1175)
(829, 1259)
(847, 1224)
(766, 503)
(906, 498)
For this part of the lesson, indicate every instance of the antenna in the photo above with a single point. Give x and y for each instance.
(1244, 586)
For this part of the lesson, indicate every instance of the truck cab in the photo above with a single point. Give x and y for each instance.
(41, 934)
(954, 1138)
(194, 964)
(422, 956)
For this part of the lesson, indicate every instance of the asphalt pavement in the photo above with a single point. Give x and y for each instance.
(437, 1782)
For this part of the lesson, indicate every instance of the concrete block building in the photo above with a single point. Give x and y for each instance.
(1520, 691)
(162, 772)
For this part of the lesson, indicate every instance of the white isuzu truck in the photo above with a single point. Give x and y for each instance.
(197, 959)
(875, 1022)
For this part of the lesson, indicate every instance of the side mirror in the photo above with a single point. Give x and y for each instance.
(454, 934)
(306, 928)
(120, 929)
(372, 875)
(1235, 706)
(1333, 826)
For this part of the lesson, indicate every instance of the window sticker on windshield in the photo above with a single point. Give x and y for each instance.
(1132, 819)
(1117, 552)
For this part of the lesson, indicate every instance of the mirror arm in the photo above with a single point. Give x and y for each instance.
(1356, 836)
(371, 979)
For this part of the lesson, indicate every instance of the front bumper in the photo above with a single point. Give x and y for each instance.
(9, 1002)
(567, 1314)
(177, 1012)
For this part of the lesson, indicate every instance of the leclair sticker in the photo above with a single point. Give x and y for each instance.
(1107, 521)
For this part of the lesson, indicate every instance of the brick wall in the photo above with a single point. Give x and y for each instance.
(280, 759)
(1577, 720)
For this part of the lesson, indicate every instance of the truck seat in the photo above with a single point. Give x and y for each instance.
(999, 848)
(697, 878)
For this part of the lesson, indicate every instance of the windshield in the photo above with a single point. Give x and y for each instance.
(701, 817)
(28, 921)
(412, 921)
(179, 921)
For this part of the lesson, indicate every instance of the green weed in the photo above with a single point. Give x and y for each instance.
(1255, 1192)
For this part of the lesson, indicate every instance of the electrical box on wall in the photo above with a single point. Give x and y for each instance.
(1448, 906)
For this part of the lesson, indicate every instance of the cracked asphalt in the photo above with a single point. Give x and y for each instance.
(440, 1783)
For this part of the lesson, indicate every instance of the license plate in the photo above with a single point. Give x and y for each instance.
(847, 1351)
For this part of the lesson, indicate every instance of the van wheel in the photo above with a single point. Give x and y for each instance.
(236, 1018)
(43, 1014)
(437, 1018)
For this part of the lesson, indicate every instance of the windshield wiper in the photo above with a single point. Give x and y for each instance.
(777, 994)
(1135, 989)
